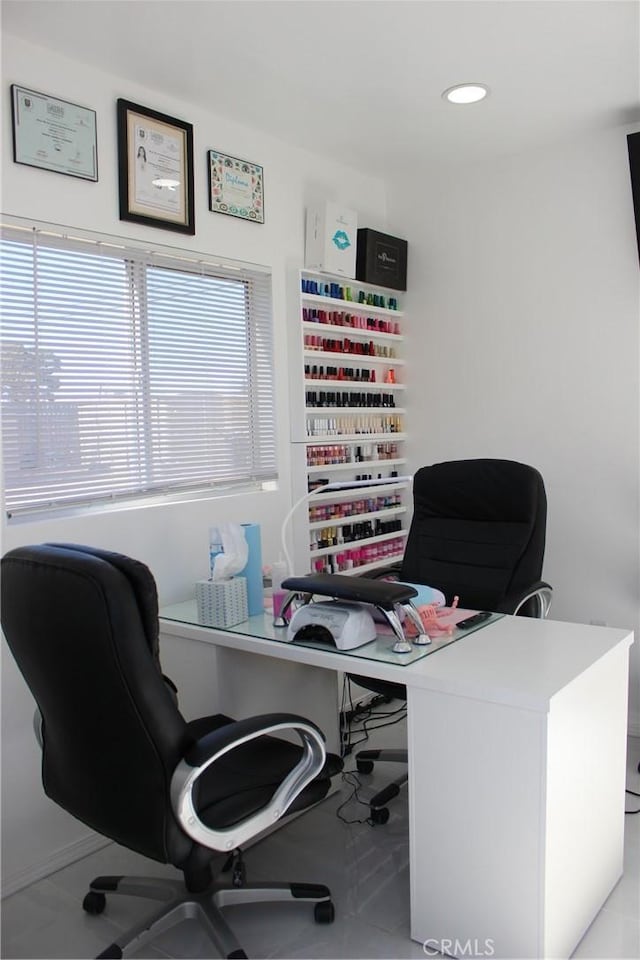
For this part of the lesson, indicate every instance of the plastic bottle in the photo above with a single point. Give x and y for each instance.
(278, 574)
(215, 548)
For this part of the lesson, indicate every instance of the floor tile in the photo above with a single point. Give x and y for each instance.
(611, 935)
(45, 921)
(365, 867)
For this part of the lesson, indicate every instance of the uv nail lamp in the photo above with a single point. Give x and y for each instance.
(348, 625)
(348, 592)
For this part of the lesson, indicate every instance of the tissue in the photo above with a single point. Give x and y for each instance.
(235, 552)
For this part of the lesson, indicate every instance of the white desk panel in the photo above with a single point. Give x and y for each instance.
(510, 729)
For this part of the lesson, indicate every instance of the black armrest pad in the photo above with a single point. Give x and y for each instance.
(512, 600)
(383, 593)
(225, 736)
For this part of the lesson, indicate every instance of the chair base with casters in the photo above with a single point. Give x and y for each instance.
(205, 906)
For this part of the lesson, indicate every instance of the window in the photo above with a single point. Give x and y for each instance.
(127, 373)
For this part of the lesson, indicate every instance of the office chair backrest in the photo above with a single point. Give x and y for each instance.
(478, 530)
(82, 626)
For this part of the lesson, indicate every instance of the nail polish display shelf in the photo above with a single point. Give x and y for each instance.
(378, 330)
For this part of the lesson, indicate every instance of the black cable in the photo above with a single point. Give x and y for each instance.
(633, 794)
(368, 728)
(352, 796)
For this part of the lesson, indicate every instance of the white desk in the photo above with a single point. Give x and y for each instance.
(517, 754)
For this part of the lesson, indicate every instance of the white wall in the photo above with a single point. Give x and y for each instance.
(171, 539)
(524, 314)
(523, 309)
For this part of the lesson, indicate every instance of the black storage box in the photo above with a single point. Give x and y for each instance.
(381, 259)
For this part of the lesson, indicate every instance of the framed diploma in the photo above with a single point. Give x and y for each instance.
(53, 134)
(155, 167)
(236, 187)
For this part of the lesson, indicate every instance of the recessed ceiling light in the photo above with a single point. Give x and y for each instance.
(466, 93)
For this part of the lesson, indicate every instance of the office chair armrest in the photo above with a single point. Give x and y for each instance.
(214, 745)
(540, 595)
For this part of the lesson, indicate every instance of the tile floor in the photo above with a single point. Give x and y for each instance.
(366, 868)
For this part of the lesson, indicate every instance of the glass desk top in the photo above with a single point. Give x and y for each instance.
(261, 626)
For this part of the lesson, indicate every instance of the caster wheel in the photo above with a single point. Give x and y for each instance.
(364, 766)
(379, 815)
(94, 903)
(324, 912)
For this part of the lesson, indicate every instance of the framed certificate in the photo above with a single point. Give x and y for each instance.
(155, 167)
(53, 134)
(236, 187)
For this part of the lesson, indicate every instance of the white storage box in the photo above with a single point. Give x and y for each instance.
(331, 236)
(222, 603)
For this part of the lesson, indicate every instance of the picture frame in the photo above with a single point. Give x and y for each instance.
(54, 134)
(155, 168)
(236, 187)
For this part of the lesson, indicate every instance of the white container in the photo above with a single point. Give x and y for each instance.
(279, 594)
(222, 603)
(330, 244)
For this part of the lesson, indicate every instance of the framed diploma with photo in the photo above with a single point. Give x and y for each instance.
(53, 134)
(236, 187)
(155, 168)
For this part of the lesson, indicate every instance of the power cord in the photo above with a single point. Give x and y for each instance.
(633, 794)
(368, 728)
(364, 713)
(351, 777)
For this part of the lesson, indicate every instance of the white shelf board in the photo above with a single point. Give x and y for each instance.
(324, 275)
(355, 544)
(348, 305)
(351, 332)
(357, 358)
(354, 438)
(366, 567)
(346, 385)
(325, 467)
(356, 493)
(346, 411)
(357, 517)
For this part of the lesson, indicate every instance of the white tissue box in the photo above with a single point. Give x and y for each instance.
(222, 603)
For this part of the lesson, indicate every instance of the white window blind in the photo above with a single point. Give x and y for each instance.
(127, 373)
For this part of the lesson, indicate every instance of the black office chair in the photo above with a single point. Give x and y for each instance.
(478, 532)
(82, 624)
